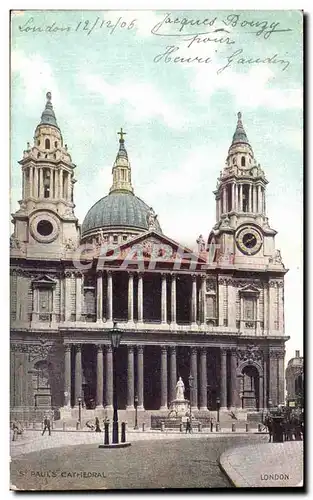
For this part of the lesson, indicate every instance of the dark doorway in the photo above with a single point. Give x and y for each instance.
(250, 388)
(183, 299)
(152, 375)
(120, 296)
(152, 297)
(89, 381)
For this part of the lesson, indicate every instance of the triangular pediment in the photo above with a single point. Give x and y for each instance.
(249, 289)
(158, 245)
(153, 246)
(44, 280)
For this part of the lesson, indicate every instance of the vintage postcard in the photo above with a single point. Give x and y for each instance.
(156, 249)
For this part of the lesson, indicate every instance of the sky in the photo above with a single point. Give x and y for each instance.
(108, 69)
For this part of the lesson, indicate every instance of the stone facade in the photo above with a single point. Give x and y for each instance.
(295, 379)
(217, 314)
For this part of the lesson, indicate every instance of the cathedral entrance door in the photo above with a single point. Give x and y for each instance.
(250, 388)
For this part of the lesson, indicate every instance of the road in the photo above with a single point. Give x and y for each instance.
(179, 463)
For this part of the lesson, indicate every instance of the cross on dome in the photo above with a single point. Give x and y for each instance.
(121, 133)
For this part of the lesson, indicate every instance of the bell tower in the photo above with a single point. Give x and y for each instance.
(45, 223)
(242, 232)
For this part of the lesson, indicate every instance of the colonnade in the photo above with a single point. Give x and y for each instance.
(197, 297)
(255, 199)
(168, 376)
(59, 183)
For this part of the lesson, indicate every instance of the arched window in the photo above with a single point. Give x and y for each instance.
(47, 144)
(234, 160)
(55, 144)
(243, 161)
(38, 155)
(38, 142)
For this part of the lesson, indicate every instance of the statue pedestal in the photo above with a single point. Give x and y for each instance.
(179, 407)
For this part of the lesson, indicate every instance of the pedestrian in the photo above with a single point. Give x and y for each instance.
(188, 426)
(46, 425)
(97, 423)
(15, 430)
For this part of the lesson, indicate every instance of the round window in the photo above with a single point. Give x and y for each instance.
(44, 227)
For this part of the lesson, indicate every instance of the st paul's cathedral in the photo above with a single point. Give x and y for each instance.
(216, 313)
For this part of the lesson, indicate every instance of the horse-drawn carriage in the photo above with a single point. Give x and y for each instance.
(284, 424)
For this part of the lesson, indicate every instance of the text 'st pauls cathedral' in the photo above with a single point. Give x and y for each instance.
(217, 315)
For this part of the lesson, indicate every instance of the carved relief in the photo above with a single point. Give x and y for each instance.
(250, 353)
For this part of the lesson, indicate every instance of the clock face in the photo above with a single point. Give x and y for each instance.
(249, 240)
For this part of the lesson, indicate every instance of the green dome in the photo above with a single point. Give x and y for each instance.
(118, 209)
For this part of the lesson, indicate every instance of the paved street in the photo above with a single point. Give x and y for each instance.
(163, 463)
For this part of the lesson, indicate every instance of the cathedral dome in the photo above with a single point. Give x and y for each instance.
(118, 210)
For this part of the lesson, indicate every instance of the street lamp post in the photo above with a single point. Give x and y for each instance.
(218, 404)
(136, 411)
(116, 336)
(80, 411)
(190, 380)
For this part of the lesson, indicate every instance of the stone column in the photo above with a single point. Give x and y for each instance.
(109, 296)
(163, 378)
(140, 297)
(41, 183)
(194, 373)
(233, 197)
(203, 289)
(265, 307)
(219, 206)
(280, 291)
(130, 378)
(109, 377)
(221, 302)
(224, 200)
(173, 300)
(35, 191)
(163, 299)
(69, 187)
(61, 184)
(236, 198)
(271, 304)
(273, 393)
(99, 296)
(223, 379)
(241, 314)
(51, 184)
(259, 199)
(264, 201)
(68, 306)
(281, 377)
(240, 197)
(260, 392)
(194, 300)
(78, 373)
(78, 296)
(67, 375)
(233, 379)
(140, 366)
(31, 181)
(254, 199)
(203, 379)
(99, 376)
(265, 383)
(257, 315)
(130, 297)
(231, 291)
(173, 373)
(250, 198)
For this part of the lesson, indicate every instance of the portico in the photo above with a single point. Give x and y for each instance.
(151, 371)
